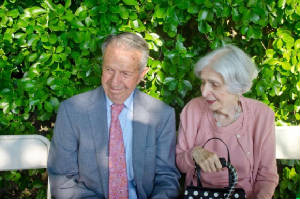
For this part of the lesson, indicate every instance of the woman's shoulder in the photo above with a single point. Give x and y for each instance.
(256, 107)
(196, 104)
(194, 108)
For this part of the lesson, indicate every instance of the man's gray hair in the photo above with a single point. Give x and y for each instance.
(236, 67)
(130, 40)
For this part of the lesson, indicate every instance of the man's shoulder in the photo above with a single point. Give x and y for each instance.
(85, 99)
(151, 103)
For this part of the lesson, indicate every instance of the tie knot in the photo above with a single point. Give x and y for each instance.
(116, 109)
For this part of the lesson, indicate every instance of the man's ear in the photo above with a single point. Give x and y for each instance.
(143, 73)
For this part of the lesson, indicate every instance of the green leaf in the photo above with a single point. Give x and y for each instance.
(168, 80)
(204, 27)
(160, 76)
(77, 23)
(226, 11)
(279, 43)
(235, 14)
(160, 12)
(52, 38)
(131, 2)
(270, 52)
(172, 85)
(4, 106)
(287, 66)
(8, 36)
(44, 57)
(88, 21)
(44, 38)
(124, 12)
(48, 107)
(29, 85)
(188, 84)
(59, 49)
(202, 15)
(60, 9)
(35, 11)
(201, 27)
(80, 10)
(68, 3)
(13, 13)
(298, 85)
(281, 4)
(297, 44)
(54, 102)
(193, 9)
(255, 17)
(32, 57)
(179, 101)
(259, 89)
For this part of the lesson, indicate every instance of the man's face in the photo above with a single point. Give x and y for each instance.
(121, 72)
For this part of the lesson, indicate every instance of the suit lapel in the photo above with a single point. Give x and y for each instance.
(98, 120)
(140, 130)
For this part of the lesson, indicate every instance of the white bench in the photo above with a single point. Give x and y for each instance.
(19, 152)
(287, 142)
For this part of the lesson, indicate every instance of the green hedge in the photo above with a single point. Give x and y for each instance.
(50, 51)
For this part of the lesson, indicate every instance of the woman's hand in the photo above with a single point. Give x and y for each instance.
(208, 161)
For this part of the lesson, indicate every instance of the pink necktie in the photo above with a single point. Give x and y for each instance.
(118, 185)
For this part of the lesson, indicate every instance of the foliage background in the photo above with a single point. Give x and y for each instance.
(49, 51)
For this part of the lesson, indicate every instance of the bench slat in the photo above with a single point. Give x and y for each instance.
(287, 142)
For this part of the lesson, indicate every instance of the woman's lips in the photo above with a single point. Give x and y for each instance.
(210, 101)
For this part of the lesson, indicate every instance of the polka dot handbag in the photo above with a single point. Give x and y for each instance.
(230, 192)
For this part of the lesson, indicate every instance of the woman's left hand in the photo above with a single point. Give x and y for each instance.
(208, 161)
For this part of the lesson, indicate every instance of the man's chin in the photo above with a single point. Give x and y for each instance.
(116, 99)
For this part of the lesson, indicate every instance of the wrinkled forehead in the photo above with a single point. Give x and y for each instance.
(208, 73)
(120, 56)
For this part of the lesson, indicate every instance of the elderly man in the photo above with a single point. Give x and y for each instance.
(115, 141)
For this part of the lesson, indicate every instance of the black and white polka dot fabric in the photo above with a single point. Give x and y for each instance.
(199, 192)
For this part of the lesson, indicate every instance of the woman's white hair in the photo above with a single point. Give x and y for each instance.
(236, 67)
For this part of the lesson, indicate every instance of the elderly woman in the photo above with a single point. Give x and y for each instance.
(245, 125)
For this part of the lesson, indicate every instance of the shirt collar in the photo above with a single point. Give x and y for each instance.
(127, 102)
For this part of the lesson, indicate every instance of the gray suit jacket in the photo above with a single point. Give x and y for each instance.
(78, 158)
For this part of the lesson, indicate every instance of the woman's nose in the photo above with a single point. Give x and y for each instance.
(205, 90)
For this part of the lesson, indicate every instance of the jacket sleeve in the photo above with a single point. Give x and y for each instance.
(166, 183)
(62, 161)
(267, 178)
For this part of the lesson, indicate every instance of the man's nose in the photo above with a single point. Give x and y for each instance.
(115, 79)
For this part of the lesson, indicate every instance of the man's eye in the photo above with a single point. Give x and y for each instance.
(126, 74)
(108, 69)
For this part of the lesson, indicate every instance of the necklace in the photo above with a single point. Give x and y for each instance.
(237, 113)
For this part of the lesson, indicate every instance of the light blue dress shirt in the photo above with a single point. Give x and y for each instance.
(126, 117)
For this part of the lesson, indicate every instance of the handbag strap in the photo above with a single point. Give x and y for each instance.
(215, 138)
(232, 174)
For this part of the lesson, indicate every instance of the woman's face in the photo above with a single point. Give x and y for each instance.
(215, 91)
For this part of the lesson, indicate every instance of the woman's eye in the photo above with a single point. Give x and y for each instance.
(215, 85)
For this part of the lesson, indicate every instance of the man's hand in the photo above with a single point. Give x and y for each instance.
(208, 161)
